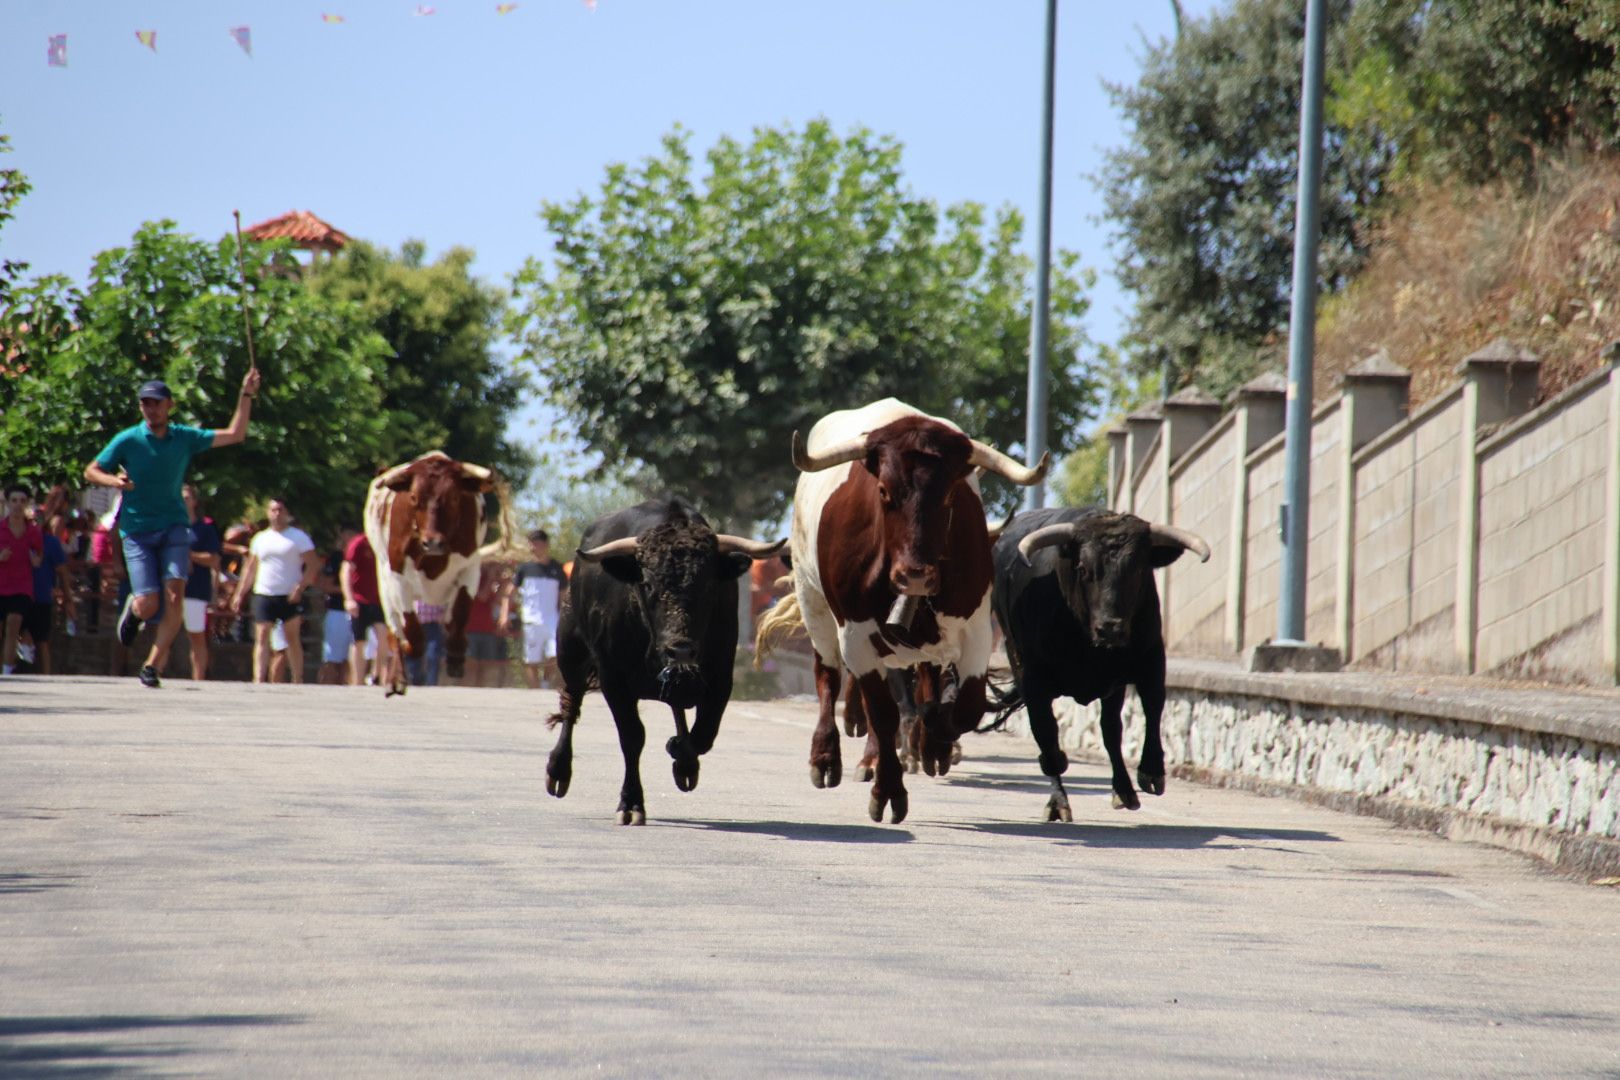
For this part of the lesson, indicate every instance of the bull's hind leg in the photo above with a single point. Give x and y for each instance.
(1150, 692)
(854, 714)
(632, 737)
(455, 645)
(826, 757)
(1112, 728)
(889, 786)
(574, 663)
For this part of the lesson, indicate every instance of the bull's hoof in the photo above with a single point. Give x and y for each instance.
(455, 666)
(1152, 783)
(828, 775)
(898, 805)
(855, 728)
(632, 817)
(936, 764)
(910, 763)
(686, 773)
(956, 753)
(1126, 800)
(865, 771)
(1057, 809)
(557, 786)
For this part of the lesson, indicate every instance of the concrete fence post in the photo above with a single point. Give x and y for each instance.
(1259, 405)
(1188, 416)
(1611, 556)
(1141, 427)
(1376, 397)
(1116, 464)
(1499, 382)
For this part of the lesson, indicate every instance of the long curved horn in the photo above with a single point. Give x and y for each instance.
(612, 548)
(1046, 537)
(1191, 541)
(849, 450)
(477, 472)
(754, 549)
(995, 531)
(990, 459)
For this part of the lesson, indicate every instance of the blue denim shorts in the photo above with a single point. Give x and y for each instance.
(157, 556)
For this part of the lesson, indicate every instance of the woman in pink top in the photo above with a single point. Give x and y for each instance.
(22, 547)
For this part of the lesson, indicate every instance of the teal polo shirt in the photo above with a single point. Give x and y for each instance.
(158, 467)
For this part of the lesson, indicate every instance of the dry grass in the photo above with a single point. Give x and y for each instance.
(1450, 271)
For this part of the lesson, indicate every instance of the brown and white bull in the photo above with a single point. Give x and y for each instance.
(425, 521)
(887, 507)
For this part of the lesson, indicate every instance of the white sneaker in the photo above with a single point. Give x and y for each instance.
(25, 652)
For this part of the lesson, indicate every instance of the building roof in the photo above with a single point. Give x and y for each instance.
(303, 228)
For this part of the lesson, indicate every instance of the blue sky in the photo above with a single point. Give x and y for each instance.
(452, 128)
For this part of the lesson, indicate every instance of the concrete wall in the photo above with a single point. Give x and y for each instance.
(1201, 490)
(1541, 537)
(1472, 536)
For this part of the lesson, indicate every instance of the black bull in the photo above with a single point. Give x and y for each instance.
(651, 616)
(1075, 596)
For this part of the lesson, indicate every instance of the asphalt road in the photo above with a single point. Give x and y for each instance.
(306, 881)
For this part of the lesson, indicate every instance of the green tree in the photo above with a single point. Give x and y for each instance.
(689, 326)
(446, 388)
(1203, 194)
(14, 186)
(1479, 90)
(168, 306)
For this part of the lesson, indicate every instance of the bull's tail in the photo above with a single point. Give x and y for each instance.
(1004, 699)
(779, 622)
(568, 702)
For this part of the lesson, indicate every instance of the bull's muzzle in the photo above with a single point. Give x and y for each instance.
(432, 545)
(915, 580)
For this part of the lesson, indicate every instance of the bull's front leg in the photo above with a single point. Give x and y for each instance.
(854, 715)
(684, 753)
(1054, 762)
(1150, 692)
(1112, 728)
(455, 646)
(632, 737)
(889, 786)
(934, 734)
(826, 757)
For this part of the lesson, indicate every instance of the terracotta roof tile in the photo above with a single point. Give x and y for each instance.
(302, 228)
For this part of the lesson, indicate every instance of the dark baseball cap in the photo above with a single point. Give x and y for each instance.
(154, 388)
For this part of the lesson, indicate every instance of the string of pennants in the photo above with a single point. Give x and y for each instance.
(56, 44)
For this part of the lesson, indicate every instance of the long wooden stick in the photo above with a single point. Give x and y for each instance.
(241, 270)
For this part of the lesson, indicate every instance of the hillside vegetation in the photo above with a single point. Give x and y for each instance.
(1457, 266)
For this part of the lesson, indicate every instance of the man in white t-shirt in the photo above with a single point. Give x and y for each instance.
(539, 584)
(281, 564)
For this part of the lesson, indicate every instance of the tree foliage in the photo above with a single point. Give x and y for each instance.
(168, 306)
(689, 325)
(446, 387)
(1203, 194)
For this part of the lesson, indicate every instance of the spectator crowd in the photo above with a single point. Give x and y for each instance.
(263, 583)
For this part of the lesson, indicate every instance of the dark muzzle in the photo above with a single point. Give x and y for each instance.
(680, 684)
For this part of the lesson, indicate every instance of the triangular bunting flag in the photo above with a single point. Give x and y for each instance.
(147, 38)
(56, 51)
(424, 9)
(331, 18)
(505, 9)
(244, 38)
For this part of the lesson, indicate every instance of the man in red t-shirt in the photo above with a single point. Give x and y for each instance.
(364, 604)
(22, 547)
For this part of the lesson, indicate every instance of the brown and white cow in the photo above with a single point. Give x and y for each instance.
(425, 521)
(887, 507)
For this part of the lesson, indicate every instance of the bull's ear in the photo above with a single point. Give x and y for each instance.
(400, 484)
(623, 567)
(733, 566)
(477, 486)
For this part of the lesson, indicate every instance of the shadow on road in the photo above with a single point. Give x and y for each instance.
(32, 883)
(69, 1053)
(1151, 837)
(799, 830)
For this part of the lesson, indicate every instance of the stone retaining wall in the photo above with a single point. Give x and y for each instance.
(1535, 771)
